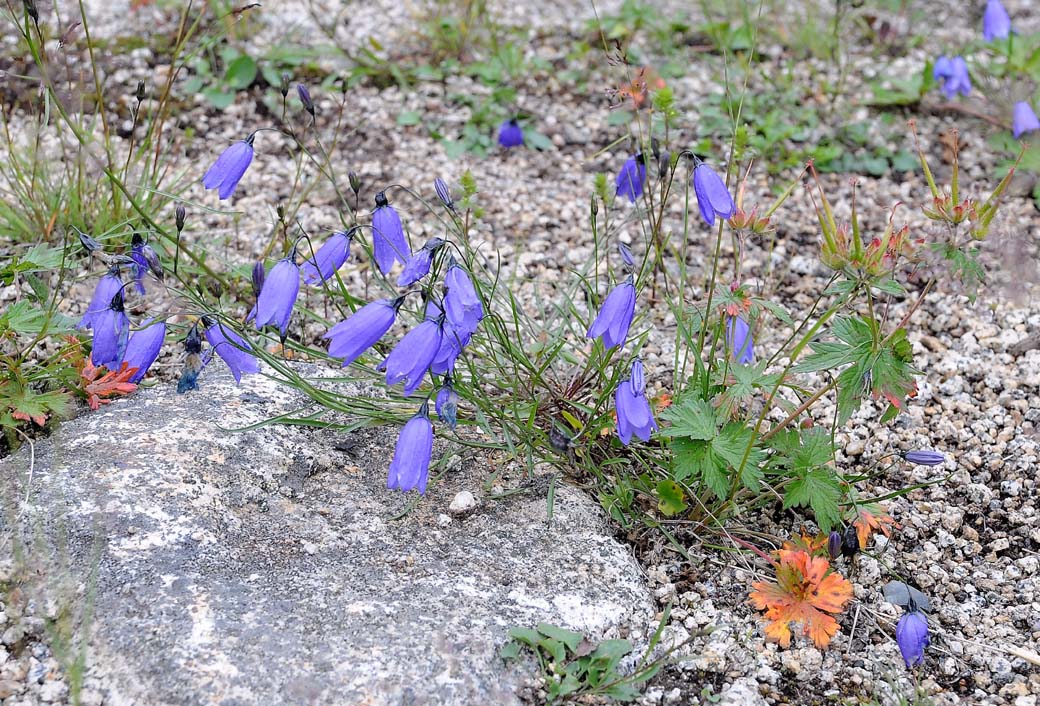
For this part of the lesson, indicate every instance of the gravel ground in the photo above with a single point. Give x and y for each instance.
(970, 542)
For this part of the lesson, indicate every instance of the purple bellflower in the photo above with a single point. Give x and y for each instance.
(1023, 119)
(738, 336)
(145, 260)
(633, 409)
(996, 23)
(278, 295)
(388, 241)
(329, 258)
(143, 347)
(419, 264)
(357, 333)
(462, 306)
(111, 332)
(227, 171)
(448, 405)
(305, 98)
(912, 637)
(232, 348)
(510, 134)
(615, 315)
(631, 178)
(952, 75)
(453, 340)
(412, 356)
(834, 542)
(107, 287)
(713, 198)
(924, 457)
(411, 465)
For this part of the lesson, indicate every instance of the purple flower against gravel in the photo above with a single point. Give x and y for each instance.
(234, 350)
(111, 329)
(952, 75)
(912, 637)
(996, 23)
(278, 295)
(510, 134)
(107, 287)
(448, 405)
(412, 356)
(1023, 119)
(631, 178)
(410, 467)
(924, 457)
(615, 315)
(144, 346)
(834, 542)
(713, 198)
(418, 265)
(462, 306)
(329, 258)
(738, 336)
(361, 330)
(388, 241)
(227, 171)
(633, 409)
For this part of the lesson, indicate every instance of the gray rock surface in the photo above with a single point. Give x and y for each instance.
(270, 566)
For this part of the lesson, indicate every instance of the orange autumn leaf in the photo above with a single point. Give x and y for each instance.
(661, 402)
(40, 419)
(101, 390)
(803, 593)
(871, 518)
(814, 545)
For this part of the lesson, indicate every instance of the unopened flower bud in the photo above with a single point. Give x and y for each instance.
(305, 98)
(139, 94)
(849, 542)
(834, 542)
(88, 243)
(284, 87)
(258, 277)
(924, 457)
(443, 193)
(30, 8)
(179, 215)
(626, 254)
(355, 182)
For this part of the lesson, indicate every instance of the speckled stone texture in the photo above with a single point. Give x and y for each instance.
(267, 566)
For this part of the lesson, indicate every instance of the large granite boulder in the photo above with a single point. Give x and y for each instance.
(272, 566)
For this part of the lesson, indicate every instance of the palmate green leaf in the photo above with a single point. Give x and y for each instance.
(692, 418)
(731, 445)
(820, 490)
(853, 383)
(692, 458)
(714, 462)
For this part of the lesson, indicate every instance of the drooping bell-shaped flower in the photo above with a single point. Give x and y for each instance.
(632, 408)
(447, 404)
(738, 336)
(232, 348)
(278, 295)
(615, 315)
(361, 330)
(912, 637)
(410, 467)
(388, 241)
(510, 134)
(107, 287)
(143, 347)
(419, 264)
(1023, 119)
(631, 178)
(329, 258)
(412, 356)
(952, 75)
(229, 168)
(462, 306)
(996, 23)
(111, 329)
(713, 198)
(145, 260)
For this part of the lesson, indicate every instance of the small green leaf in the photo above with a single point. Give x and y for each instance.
(537, 140)
(671, 498)
(409, 117)
(240, 73)
(568, 637)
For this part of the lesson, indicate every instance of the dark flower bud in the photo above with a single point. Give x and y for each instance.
(281, 212)
(834, 542)
(284, 87)
(849, 542)
(381, 200)
(664, 161)
(594, 206)
(193, 341)
(88, 243)
(139, 94)
(180, 214)
(443, 193)
(215, 288)
(355, 182)
(30, 8)
(258, 277)
(152, 258)
(305, 98)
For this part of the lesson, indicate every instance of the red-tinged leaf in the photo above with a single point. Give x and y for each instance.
(40, 419)
(101, 390)
(803, 594)
(871, 518)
